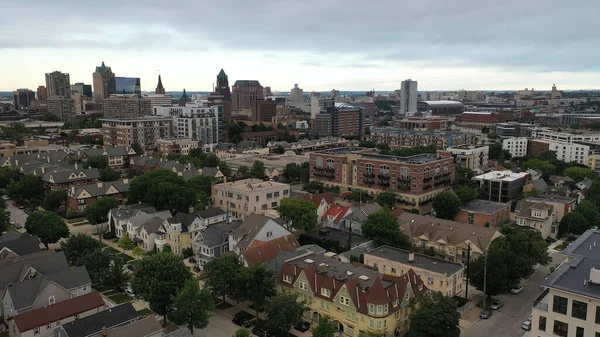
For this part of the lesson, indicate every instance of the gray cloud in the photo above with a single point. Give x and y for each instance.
(541, 35)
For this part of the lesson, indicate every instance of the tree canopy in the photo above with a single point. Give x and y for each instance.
(466, 193)
(257, 284)
(299, 214)
(258, 170)
(28, 189)
(315, 187)
(325, 328)
(163, 189)
(446, 204)
(54, 199)
(579, 173)
(284, 311)
(382, 228)
(386, 199)
(540, 165)
(4, 216)
(137, 148)
(97, 212)
(435, 316)
(221, 275)
(192, 306)
(584, 217)
(48, 226)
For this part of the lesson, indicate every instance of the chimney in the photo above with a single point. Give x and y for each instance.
(125, 181)
(322, 267)
(411, 257)
(76, 166)
(104, 332)
(99, 184)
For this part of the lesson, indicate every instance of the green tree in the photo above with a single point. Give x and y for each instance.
(579, 173)
(137, 148)
(317, 187)
(326, 328)
(446, 204)
(29, 188)
(97, 212)
(463, 175)
(292, 172)
(258, 170)
(97, 263)
(243, 170)
(305, 172)
(108, 174)
(466, 193)
(163, 189)
(8, 174)
(382, 228)
(222, 274)
(573, 223)
(435, 316)
(116, 277)
(98, 162)
(283, 312)
(257, 284)
(540, 165)
(242, 332)
(299, 214)
(201, 183)
(224, 168)
(358, 195)
(211, 160)
(492, 135)
(54, 199)
(4, 216)
(126, 242)
(48, 226)
(589, 210)
(76, 246)
(158, 279)
(386, 199)
(192, 306)
(594, 192)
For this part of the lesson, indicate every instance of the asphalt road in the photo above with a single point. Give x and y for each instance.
(507, 321)
(16, 214)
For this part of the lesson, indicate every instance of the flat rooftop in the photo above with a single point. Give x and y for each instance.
(250, 185)
(466, 147)
(574, 277)
(502, 176)
(376, 131)
(553, 198)
(484, 206)
(420, 261)
(278, 161)
(423, 158)
(340, 151)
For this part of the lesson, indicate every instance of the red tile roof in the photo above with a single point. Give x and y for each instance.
(52, 313)
(337, 211)
(316, 198)
(261, 251)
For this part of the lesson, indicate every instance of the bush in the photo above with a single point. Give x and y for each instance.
(109, 236)
(187, 252)
(137, 251)
(460, 301)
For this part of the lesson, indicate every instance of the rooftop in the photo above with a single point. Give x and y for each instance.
(439, 103)
(506, 175)
(420, 260)
(484, 206)
(249, 185)
(553, 199)
(423, 158)
(109, 318)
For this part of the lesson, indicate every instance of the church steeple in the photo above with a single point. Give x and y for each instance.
(184, 98)
(159, 87)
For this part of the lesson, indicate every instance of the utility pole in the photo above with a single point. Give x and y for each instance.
(484, 280)
(468, 263)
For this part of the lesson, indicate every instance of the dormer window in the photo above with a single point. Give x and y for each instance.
(371, 309)
(325, 292)
(287, 278)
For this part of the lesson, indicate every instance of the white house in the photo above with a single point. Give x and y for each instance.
(255, 227)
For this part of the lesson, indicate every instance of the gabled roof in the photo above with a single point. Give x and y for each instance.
(141, 219)
(71, 278)
(251, 227)
(210, 171)
(211, 212)
(24, 294)
(585, 183)
(102, 188)
(152, 225)
(20, 244)
(337, 212)
(14, 271)
(109, 318)
(361, 213)
(317, 198)
(262, 252)
(524, 208)
(60, 176)
(58, 311)
(127, 211)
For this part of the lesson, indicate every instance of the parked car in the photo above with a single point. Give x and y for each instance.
(13, 222)
(497, 304)
(16, 204)
(242, 319)
(192, 260)
(485, 314)
(129, 292)
(28, 211)
(517, 289)
(18, 226)
(256, 331)
(302, 326)
(526, 325)
(131, 267)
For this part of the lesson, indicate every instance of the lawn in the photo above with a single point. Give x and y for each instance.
(562, 246)
(111, 292)
(112, 250)
(145, 312)
(4, 334)
(125, 257)
(120, 298)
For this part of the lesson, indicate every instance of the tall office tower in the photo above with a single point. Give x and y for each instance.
(128, 86)
(297, 94)
(104, 83)
(58, 84)
(267, 91)
(244, 93)
(62, 107)
(408, 97)
(159, 87)
(81, 89)
(223, 86)
(315, 108)
(335, 94)
(42, 93)
(22, 98)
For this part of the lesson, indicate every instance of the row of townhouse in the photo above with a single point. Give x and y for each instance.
(79, 197)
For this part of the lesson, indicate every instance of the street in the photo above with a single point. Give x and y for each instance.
(507, 320)
(16, 214)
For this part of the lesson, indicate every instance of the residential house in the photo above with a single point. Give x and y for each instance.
(359, 215)
(45, 321)
(148, 231)
(118, 217)
(439, 275)
(561, 181)
(61, 178)
(484, 213)
(563, 205)
(214, 172)
(539, 185)
(213, 241)
(586, 183)
(322, 201)
(447, 239)
(272, 173)
(180, 230)
(538, 215)
(117, 157)
(255, 227)
(146, 164)
(335, 217)
(134, 224)
(263, 252)
(104, 321)
(14, 244)
(79, 197)
(358, 299)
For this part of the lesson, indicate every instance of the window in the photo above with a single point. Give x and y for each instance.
(393, 270)
(385, 309)
(371, 324)
(287, 278)
(257, 198)
(344, 300)
(81, 201)
(51, 300)
(84, 288)
(264, 206)
(350, 315)
(48, 326)
(286, 192)
(559, 305)
(579, 332)
(274, 204)
(276, 194)
(542, 323)
(269, 195)
(379, 309)
(561, 329)
(303, 285)
(325, 292)
(378, 325)
(429, 280)
(597, 314)
(579, 310)
(36, 331)
(371, 309)
(269, 234)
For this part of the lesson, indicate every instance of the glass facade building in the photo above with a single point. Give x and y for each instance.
(128, 85)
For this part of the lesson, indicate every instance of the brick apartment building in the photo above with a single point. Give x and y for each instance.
(126, 106)
(79, 197)
(480, 119)
(483, 213)
(416, 179)
(244, 92)
(336, 122)
(398, 139)
(263, 110)
(422, 124)
(144, 131)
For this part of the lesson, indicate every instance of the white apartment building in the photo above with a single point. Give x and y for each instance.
(567, 152)
(194, 121)
(569, 138)
(470, 156)
(142, 130)
(243, 197)
(516, 146)
(570, 304)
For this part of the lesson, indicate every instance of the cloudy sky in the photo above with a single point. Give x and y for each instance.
(319, 44)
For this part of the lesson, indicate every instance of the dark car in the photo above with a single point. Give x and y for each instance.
(28, 211)
(242, 321)
(256, 331)
(131, 267)
(485, 314)
(302, 326)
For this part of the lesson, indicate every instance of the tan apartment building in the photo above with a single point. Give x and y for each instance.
(398, 139)
(415, 179)
(470, 156)
(175, 146)
(358, 299)
(62, 107)
(143, 130)
(119, 105)
(569, 305)
(484, 213)
(243, 197)
(437, 274)
(449, 240)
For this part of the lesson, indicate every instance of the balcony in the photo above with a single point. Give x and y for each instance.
(160, 240)
(384, 176)
(403, 179)
(369, 174)
(541, 303)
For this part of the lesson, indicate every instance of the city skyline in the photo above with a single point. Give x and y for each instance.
(504, 46)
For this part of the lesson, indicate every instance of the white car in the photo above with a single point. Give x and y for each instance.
(526, 325)
(517, 289)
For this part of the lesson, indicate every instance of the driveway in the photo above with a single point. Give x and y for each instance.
(16, 214)
(517, 308)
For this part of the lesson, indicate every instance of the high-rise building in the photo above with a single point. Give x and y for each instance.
(22, 98)
(160, 90)
(81, 89)
(297, 94)
(142, 130)
(104, 83)
(42, 93)
(58, 84)
(408, 97)
(223, 86)
(126, 106)
(62, 107)
(197, 122)
(128, 86)
(314, 104)
(339, 122)
(244, 93)
(263, 110)
(267, 91)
